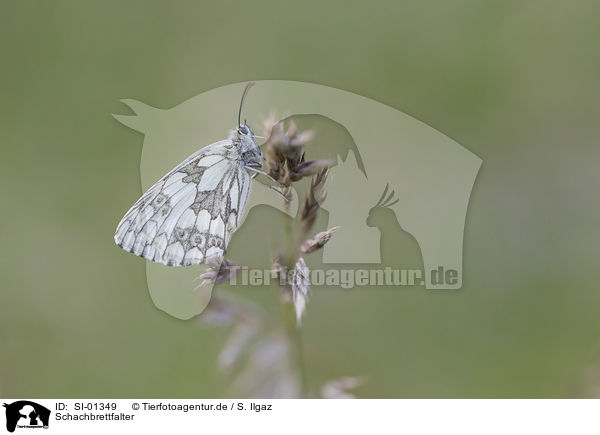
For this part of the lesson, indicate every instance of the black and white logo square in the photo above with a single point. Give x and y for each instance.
(26, 414)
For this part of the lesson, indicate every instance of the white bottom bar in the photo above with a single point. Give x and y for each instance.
(310, 416)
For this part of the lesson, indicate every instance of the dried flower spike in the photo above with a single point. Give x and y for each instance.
(308, 169)
(318, 241)
(300, 287)
(219, 270)
(315, 197)
(278, 270)
(225, 309)
(239, 341)
(286, 147)
(339, 388)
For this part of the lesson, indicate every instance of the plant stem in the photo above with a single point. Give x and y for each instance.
(288, 312)
(288, 315)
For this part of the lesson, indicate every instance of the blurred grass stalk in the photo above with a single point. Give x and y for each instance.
(285, 159)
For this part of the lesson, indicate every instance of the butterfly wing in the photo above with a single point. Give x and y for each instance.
(190, 213)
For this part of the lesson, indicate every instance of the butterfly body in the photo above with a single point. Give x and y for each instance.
(189, 215)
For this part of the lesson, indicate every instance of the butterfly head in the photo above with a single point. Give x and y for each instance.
(245, 139)
(247, 146)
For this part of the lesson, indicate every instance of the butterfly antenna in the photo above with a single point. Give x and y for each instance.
(246, 89)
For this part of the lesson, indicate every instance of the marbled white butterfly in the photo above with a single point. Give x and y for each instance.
(189, 215)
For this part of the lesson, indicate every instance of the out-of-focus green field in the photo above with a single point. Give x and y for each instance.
(517, 83)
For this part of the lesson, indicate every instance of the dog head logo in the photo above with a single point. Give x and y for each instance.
(422, 178)
(26, 414)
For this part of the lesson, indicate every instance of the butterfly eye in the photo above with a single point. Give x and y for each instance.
(243, 130)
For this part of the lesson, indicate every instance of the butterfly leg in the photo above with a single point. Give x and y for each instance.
(253, 176)
(258, 171)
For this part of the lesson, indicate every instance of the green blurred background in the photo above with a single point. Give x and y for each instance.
(515, 82)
